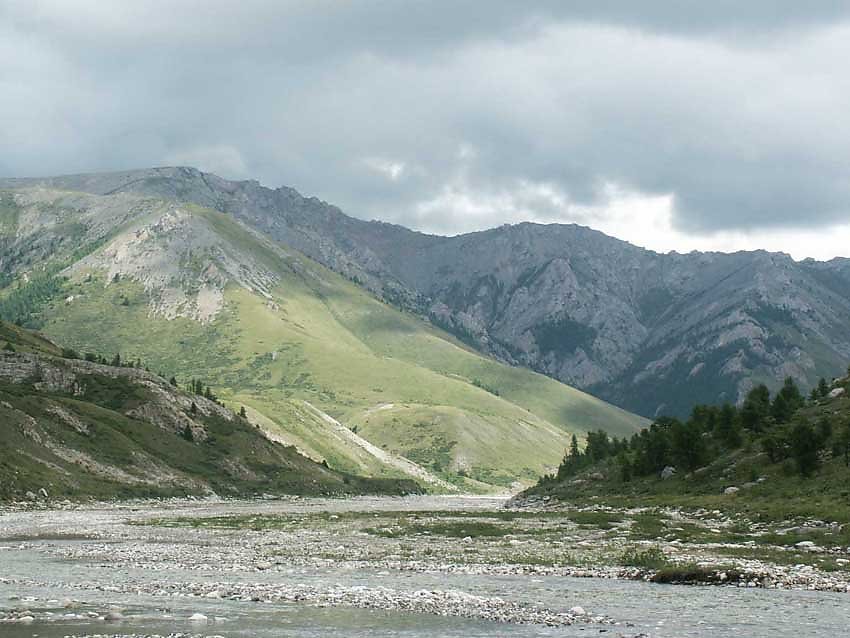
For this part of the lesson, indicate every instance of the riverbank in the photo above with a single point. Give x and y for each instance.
(426, 556)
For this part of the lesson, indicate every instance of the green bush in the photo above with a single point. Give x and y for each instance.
(652, 558)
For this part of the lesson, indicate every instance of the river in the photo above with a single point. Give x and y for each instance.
(37, 573)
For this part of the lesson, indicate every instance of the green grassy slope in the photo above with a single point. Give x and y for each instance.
(90, 440)
(321, 339)
(16, 339)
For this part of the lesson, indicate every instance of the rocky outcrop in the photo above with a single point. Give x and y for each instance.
(167, 408)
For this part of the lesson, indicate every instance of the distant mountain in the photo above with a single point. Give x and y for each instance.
(649, 332)
(76, 428)
(316, 360)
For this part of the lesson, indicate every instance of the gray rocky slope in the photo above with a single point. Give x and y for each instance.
(652, 333)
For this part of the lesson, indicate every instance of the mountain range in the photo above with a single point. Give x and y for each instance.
(652, 333)
(150, 270)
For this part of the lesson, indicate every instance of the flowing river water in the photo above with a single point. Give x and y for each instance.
(41, 566)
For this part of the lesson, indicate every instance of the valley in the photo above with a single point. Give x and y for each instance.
(185, 368)
(424, 319)
(195, 294)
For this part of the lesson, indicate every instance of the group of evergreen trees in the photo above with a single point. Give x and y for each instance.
(116, 361)
(22, 304)
(196, 386)
(775, 424)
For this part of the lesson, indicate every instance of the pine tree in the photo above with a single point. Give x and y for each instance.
(756, 409)
(787, 401)
(688, 446)
(842, 444)
(574, 451)
(624, 465)
(243, 413)
(804, 448)
(173, 381)
(726, 427)
(572, 460)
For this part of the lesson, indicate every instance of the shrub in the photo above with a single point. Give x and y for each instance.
(652, 558)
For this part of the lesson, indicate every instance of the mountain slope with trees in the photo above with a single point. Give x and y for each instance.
(73, 426)
(782, 451)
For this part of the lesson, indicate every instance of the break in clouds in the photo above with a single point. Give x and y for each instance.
(674, 125)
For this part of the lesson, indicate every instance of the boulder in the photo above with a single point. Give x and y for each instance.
(836, 392)
(668, 472)
(731, 490)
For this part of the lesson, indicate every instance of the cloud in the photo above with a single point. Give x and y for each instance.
(392, 170)
(717, 124)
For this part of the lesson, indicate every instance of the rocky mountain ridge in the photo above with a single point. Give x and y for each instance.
(652, 333)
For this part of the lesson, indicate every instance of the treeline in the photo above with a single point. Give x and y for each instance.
(778, 425)
(194, 386)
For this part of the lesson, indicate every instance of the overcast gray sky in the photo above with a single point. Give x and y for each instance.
(675, 125)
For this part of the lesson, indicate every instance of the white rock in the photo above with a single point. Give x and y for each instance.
(197, 618)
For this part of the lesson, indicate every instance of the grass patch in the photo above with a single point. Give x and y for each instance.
(449, 529)
(781, 556)
(601, 520)
(696, 575)
(652, 558)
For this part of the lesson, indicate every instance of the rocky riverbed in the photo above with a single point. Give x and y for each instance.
(447, 557)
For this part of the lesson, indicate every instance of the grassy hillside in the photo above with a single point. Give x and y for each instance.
(287, 331)
(81, 429)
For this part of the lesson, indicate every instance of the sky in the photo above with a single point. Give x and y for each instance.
(679, 125)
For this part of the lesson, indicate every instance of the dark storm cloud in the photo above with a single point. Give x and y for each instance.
(448, 115)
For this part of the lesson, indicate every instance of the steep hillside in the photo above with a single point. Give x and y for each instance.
(652, 333)
(316, 360)
(77, 428)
